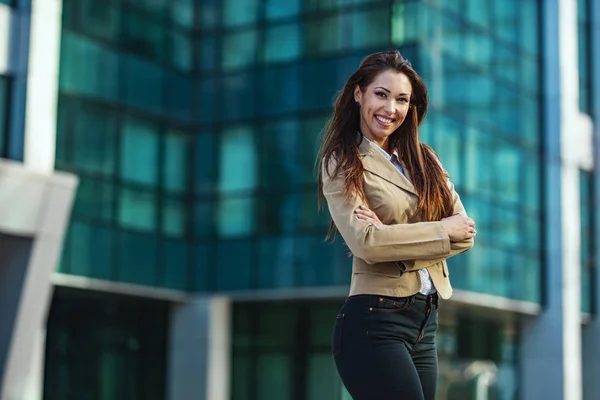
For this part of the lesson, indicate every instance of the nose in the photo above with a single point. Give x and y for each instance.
(390, 107)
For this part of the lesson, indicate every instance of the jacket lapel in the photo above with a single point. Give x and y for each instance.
(376, 163)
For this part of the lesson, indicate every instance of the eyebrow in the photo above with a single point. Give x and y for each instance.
(387, 90)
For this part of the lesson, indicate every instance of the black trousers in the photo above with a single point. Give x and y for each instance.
(384, 347)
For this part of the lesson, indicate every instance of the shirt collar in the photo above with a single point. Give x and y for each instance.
(382, 151)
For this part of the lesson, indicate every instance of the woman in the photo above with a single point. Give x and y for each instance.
(391, 201)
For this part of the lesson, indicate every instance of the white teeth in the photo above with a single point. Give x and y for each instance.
(384, 120)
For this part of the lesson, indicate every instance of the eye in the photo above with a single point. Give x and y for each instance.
(403, 100)
(380, 94)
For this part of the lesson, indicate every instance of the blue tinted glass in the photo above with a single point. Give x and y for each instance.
(236, 217)
(94, 139)
(282, 90)
(208, 13)
(281, 8)
(283, 43)
(88, 68)
(370, 28)
(311, 255)
(208, 53)
(275, 266)
(203, 217)
(174, 214)
(278, 213)
(143, 84)
(505, 15)
(478, 12)
(204, 163)
(100, 19)
(94, 199)
(312, 131)
(137, 258)
(208, 97)
(279, 146)
(139, 152)
(175, 265)
(144, 34)
(238, 92)
(529, 10)
(176, 161)
(182, 13)
(181, 50)
(179, 96)
(137, 209)
(237, 12)
(238, 164)
(234, 268)
(90, 250)
(201, 268)
(239, 49)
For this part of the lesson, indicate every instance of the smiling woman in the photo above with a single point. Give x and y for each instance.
(390, 199)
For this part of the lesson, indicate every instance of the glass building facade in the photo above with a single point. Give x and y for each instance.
(194, 129)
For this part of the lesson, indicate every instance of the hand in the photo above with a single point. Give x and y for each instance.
(365, 214)
(459, 227)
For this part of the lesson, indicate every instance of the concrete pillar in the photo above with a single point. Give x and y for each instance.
(551, 344)
(199, 350)
(34, 212)
(591, 332)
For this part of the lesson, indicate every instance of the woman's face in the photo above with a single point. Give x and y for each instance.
(383, 105)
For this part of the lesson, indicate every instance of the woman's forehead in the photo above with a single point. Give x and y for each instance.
(395, 82)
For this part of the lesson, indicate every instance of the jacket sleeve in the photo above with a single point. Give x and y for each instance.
(455, 247)
(381, 243)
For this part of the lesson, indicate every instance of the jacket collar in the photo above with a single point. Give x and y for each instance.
(376, 163)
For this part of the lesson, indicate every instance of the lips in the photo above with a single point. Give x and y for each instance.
(384, 122)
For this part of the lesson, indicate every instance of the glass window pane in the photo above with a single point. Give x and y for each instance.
(182, 12)
(281, 8)
(146, 36)
(283, 43)
(100, 19)
(370, 28)
(280, 142)
(137, 258)
(143, 84)
(88, 68)
(239, 49)
(208, 53)
(139, 152)
(236, 217)
(275, 268)
(94, 139)
(90, 250)
(175, 174)
(274, 372)
(204, 163)
(200, 270)
(175, 265)
(181, 50)
(310, 254)
(137, 209)
(323, 381)
(179, 96)
(204, 221)
(174, 214)
(237, 12)
(235, 264)
(238, 163)
(94, 199)
(241, 378)
(208, 13)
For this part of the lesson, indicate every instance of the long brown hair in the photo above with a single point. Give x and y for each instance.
(341, 140)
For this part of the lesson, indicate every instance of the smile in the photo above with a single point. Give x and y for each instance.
(383, 120)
